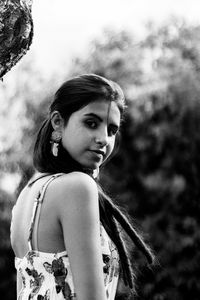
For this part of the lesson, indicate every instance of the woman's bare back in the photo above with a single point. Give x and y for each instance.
(49, 235)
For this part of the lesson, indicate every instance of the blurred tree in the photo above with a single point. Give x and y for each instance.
(114, 55)
(157, 167)
(7, 272)
(23, 101)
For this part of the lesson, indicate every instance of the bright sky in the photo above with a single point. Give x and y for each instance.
(63, 28)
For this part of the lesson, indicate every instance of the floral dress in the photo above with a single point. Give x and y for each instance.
(48, 276)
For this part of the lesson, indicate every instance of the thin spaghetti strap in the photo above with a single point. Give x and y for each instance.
(36, 178)
(36, 211)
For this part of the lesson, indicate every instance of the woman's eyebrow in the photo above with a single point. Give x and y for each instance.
(95, 116)
(100, 119)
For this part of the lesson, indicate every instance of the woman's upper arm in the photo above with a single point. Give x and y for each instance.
(79, 217)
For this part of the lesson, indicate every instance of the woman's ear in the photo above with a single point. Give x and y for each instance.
(57, 121)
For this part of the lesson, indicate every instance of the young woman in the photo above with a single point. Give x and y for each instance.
(65, 229)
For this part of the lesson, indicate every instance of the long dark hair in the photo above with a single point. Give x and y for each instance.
(70, 97)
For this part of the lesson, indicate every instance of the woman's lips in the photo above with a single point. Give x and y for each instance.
(98, 153)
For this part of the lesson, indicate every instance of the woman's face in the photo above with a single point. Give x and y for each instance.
(90, 133)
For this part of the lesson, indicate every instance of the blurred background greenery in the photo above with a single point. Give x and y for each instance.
(154, 176)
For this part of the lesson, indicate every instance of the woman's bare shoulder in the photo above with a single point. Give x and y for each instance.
(75, 199)
(74, 185)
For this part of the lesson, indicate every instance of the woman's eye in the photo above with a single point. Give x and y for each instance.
(112, 131)
(91, 124)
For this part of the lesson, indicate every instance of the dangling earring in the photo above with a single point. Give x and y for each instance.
(55, 141)
(95, 173)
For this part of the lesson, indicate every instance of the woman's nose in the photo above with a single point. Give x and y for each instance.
(102, 138)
